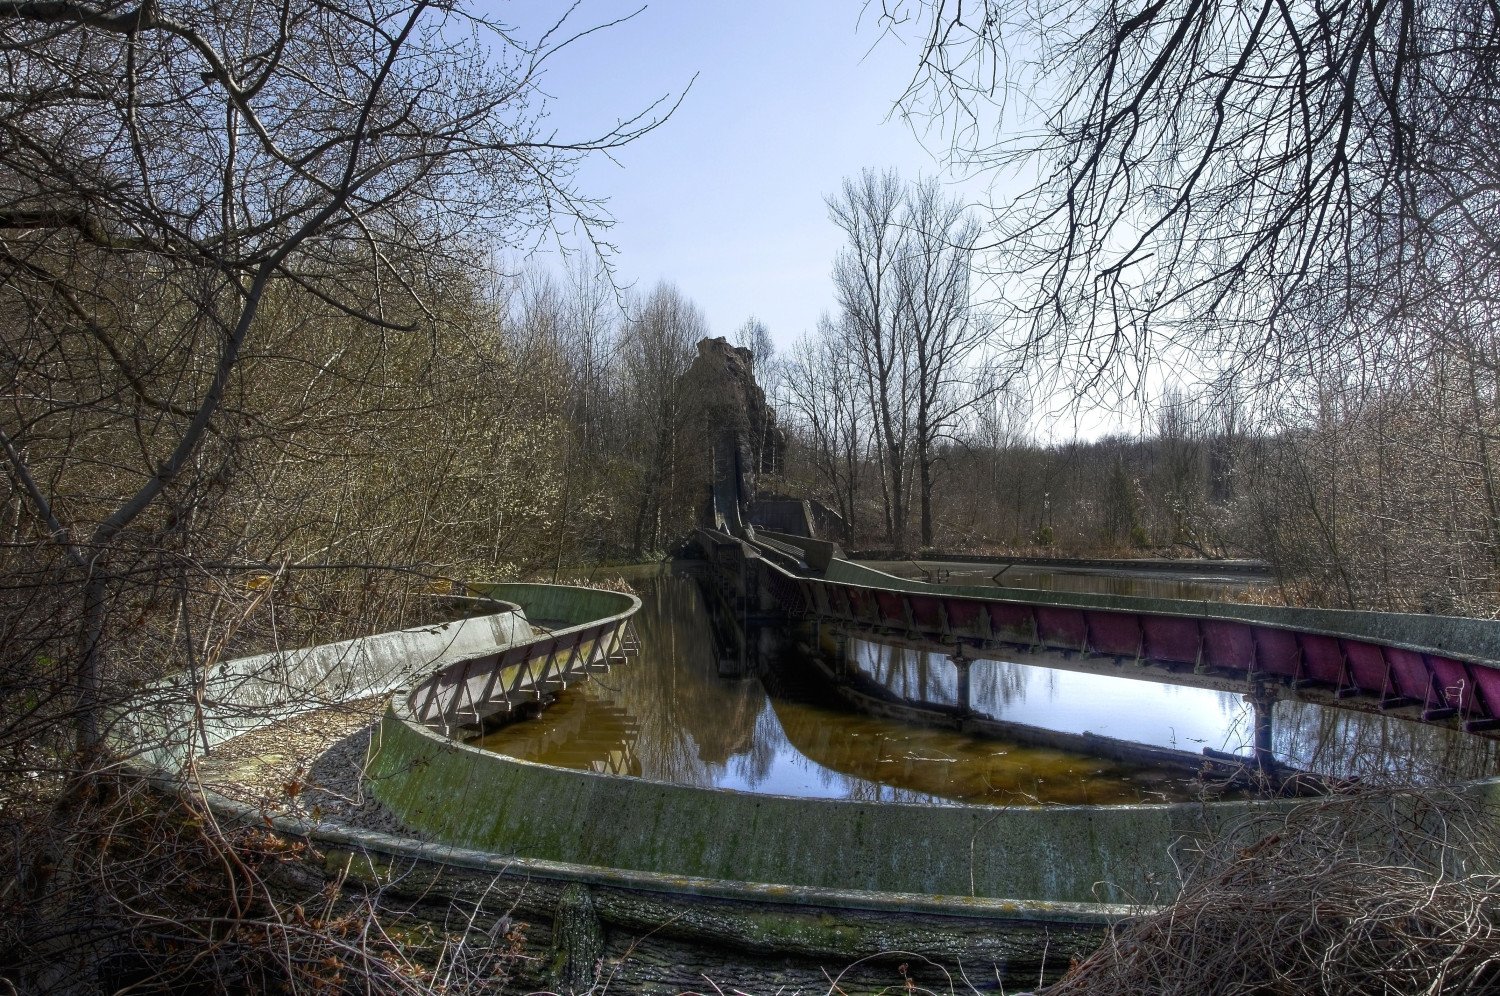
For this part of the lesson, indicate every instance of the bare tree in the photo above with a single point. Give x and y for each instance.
(165, 168)
(1249, 183)
(820, 391)
(866, 281)
(934, 281)
(658, 347)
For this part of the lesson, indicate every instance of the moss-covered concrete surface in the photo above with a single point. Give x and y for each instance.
(472, 798)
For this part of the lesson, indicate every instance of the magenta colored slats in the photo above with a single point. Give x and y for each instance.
(964, 616)
(1171, 639)
(891, 611)
(1115, 633)
(1488, 680)
(924, 611)
(1366, 666)
(1276, 652)
(1228, 645)
(1060, 627)
(1410, 677)
(1322, 659)
(1011, 621)
(863, 605)
(1454, 682)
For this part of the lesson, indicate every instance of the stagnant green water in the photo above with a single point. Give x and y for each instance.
(669, 715)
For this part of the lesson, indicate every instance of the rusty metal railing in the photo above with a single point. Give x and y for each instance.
(594, 631)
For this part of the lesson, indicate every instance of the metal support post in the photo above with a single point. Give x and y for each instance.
(1262, 699)
(961, 664)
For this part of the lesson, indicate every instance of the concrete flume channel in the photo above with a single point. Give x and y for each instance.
(681, 878)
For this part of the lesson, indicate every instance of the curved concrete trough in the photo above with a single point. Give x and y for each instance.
(645, 931)
(1109, 855)
(467, 796)
(664, 883)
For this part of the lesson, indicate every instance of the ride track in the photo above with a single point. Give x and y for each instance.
(703, 872)
(1434, 669)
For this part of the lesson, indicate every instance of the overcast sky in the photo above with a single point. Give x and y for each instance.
(727, 198)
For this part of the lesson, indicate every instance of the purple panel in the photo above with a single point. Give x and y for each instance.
(1410, 677)
(924, 609)
(1171, 639)
(1322, 659)
(1011, 621)
(1115, 633)
(1228, 645)
(863, 604)
(1366, 666)
(1276, 652)
(964, 616)
(1456, 684)
(1488, 680)
(1060, 627)
(892, 613)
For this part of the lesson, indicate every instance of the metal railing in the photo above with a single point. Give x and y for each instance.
(475, 690)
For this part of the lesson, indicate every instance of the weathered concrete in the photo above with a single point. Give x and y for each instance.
(466, 796)
(189, 714)
(651, 932)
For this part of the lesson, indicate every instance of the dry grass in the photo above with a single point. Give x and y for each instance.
(1392, 894)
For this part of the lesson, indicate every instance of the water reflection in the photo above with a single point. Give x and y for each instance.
(668, 715)
(1378, 748)
(1041, 692)
(1035, 694)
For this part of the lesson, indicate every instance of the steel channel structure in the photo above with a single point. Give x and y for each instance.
(469, 692)
(1435, 669)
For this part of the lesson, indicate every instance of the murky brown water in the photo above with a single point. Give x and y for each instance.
(668, 715)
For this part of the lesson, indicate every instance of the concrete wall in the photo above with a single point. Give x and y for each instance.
(659, 933)
(176, 717)
(1079, 854)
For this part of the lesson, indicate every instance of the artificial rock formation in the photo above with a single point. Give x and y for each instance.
(740, 431)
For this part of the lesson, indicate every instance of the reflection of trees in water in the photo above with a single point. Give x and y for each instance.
(925, 676)
(579, 731)
(689, 719)
(912, 674)
(1377, 747)
(1239, 731)
(754, 764)
(993, 685)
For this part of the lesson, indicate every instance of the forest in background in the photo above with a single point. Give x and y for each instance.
(260, 393)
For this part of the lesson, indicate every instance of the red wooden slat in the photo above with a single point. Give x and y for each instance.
(1011, 622)
(1322, 659)
(892, 613)
(964, 615)
(1060, 627)
(1171, 639)
(1411, 678)
(1116, 633)
(1456, 684)
(1276, 652)
(925, 612)
(1228, 645)
(1367, 666)
(1488, 681)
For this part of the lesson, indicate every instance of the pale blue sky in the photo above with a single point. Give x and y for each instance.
(726, 198)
